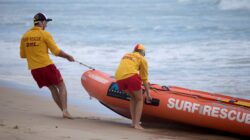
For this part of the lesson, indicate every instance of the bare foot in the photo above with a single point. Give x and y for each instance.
(138, 127)
(67, 115)
(132, 125)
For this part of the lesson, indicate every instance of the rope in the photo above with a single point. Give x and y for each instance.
(79, 63)
(85, 65)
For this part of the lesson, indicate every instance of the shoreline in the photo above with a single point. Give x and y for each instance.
(82, 103)
(26, 115)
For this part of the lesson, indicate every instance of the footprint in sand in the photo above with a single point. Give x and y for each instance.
(16, 127)
(2, 124)
(65, 137)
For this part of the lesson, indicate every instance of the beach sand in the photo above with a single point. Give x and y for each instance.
(30, 117)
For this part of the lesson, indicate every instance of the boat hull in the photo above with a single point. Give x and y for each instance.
(175, 104)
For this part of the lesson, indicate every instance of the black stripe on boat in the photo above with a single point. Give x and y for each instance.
(115, 92)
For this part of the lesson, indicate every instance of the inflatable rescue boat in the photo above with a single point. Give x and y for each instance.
(173, 103)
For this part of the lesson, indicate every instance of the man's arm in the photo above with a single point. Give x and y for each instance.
(65, 55)
(145, 84)
(54, 49)
(144, 77)
(148, 97)
(22, 51)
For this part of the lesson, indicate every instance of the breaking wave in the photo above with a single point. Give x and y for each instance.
(221, 4)
(234, 4)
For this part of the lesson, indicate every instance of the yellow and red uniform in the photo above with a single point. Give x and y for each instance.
(34, 46)
(130, 65)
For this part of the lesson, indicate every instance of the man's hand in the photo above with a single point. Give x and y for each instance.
(148, 98)
(67, 56)
(70, 58)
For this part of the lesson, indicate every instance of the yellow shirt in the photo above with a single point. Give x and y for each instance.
(34, 47)
(131, 64)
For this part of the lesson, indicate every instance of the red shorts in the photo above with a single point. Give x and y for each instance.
(47, 76)
(131, 83)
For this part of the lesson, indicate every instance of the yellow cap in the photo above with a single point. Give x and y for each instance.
(139, 47)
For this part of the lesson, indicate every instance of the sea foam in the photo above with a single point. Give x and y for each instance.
(234, 4)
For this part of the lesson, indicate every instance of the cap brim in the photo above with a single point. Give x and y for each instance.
(49, 19)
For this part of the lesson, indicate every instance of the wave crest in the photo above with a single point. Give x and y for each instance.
(234, 4)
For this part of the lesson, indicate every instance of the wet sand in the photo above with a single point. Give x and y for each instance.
(27, 117)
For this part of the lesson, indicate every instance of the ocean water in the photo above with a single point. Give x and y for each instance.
(197, 44)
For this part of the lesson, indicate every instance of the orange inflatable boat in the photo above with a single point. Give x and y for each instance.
(173, 103)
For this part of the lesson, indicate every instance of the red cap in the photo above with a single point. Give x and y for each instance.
(139, 47)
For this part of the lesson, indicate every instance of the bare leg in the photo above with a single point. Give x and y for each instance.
(132, 107)
(55, 95)
(138, 106)
(132, 110)
(63, 98)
